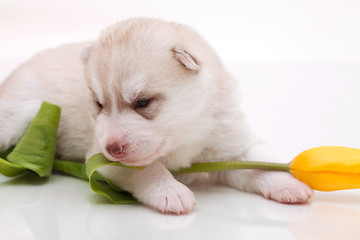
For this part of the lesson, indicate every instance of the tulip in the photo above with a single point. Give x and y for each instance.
(328, 168)
(322, 168)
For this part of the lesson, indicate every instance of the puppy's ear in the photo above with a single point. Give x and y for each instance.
(84, 54)
(186, 59)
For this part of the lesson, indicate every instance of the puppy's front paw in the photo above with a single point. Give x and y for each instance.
(172, 197)
(284, 188)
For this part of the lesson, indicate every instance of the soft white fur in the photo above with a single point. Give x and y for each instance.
(194, 112)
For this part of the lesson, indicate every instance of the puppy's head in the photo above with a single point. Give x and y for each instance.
(149, 89)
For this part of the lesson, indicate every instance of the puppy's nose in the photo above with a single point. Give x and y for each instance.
(115, 149)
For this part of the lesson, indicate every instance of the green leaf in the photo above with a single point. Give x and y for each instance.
(9, 169)
(6, 152)
(36, 149)
(116, 196)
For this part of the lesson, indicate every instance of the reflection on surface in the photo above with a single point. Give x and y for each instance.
(66, 208)
(22, 201)
(334, 216)
(31, 208)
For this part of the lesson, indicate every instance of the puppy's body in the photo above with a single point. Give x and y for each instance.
(151, 94)
(57, 76)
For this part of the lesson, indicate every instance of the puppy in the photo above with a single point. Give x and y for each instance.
(146, 93)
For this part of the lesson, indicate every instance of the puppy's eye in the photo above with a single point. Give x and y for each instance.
(142, 103)
(99, 105)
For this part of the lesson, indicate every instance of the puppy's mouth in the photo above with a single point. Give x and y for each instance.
(141, 162)
(137, 163)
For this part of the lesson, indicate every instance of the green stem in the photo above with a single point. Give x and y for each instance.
(78, 169)
(233, 165)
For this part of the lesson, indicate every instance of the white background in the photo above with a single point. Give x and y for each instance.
(320, 31)
(299, 67)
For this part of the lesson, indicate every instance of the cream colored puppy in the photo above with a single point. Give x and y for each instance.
(147, 93)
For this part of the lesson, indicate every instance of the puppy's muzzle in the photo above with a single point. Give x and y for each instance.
(116, 150)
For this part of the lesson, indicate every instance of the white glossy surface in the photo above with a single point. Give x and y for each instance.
(299, 66)
(65, 208)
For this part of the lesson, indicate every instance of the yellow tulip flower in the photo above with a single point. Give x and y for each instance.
(328, 168)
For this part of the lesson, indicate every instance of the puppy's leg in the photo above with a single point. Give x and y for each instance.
(15, 116)
(153, 185)
(279, 186)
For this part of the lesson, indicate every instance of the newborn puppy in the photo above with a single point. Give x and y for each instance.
(147, 93)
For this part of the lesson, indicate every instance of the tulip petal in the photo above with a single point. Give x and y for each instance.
(328, 168)
(328, 159)
(328, 181)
